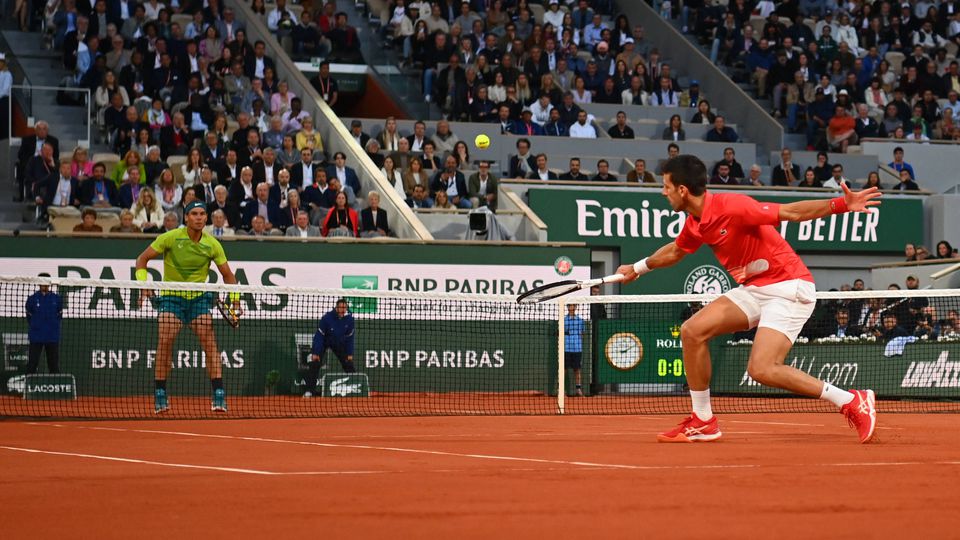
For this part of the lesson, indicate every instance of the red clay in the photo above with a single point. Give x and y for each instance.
(775, 475)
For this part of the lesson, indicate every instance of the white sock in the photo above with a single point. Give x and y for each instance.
(701, 403)
(835, 395)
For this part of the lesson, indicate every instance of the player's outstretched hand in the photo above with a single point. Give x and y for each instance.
(629, 273)
(861, 201)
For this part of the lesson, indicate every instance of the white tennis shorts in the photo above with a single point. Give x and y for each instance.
(784, 307)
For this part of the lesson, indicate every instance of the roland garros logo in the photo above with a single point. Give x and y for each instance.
(563, 265)
(706, 279)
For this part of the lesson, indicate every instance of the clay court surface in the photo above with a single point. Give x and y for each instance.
(775, 475)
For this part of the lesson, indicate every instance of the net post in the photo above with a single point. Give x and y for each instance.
(561, 368)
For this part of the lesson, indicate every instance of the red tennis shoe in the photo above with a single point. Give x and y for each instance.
(693, 429)
(861, 413)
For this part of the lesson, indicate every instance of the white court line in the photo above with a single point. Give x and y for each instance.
(430, 452)
(181, 465)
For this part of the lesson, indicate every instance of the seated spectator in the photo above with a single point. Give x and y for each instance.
(126, 224)
(841, 326)
(753, 177)
(810, 180)
(918, 134)
(891, 328)
(841, 130)
(99, 191)
(640, 173)
(786, 173)
(620, 130)
(153, 166)
(289, 208)
(308, 138)
(674, 130)
(419, 198)
(373, 219)
(288, 155)
(441, 201)
(527, 127)
(603, 173)
(260, 206)
(318, 197)
(302, 228)
(414, 175)
(721, 132)
(906, 182)
(703, 115)
(451, 181)
(823, 169)
(219, 227)
(555, 126)
(866, 127)
(922, 255)
(341, 220)
(635, 94)
(542, 172)
(443, 139)
(258, 227)
(221, 201)
(88, 223)
(873, 180)
(523, 163)
(837, 178)
(730, 159)
(665, 95)
(583, 128)
(722, 176)
(60, 195)
(819, 114)
(147, 213)
(402, 156)
(39, 169)
(168, 191)
(122, 168)
(574, 173)
(540, 109)
(190, 170)
(799, 95)
(346, 175)
(80, 165)
(130, 190)
(462, 153)
(944, 250)
(672, 151)
(482, 187)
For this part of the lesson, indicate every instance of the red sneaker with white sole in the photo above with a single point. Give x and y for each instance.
(861, 413)
(693, 429)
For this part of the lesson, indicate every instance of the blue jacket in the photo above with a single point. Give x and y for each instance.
(334, 332)
(44, 313)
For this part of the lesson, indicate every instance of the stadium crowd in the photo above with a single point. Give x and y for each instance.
(842, 71)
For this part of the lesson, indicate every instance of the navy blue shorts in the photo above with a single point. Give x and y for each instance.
(572, 360)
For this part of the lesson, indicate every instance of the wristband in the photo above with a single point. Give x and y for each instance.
(838, 205)
(640, 267)
(141, 274)
(234, 297)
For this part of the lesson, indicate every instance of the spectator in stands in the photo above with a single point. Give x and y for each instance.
(190, 170)
(356, 131)
(722, 176)
(898, 164)
(419, 198)
(373, 219)
(308, 138)
(721, 132)
(122, 168)
(261, 206)
(944, 250)
(910, 252)
(168, 191)
(837, 178)
(918, 133)
(841, 326)
(665, 95)
(891, 328)
(302, 228)
(482, 187)
(341, 220)
(523, 163)
(640, 173)
(703, 115)
(819, 114)
(873, 180)
(280, 190)
(580, 92)
(799, 95)
(126, 223)
(326, 85)
(219, 227)
(451, 181)
(258, 227)
(730, 159)
(542, 172)
(88, 223)
(31, 146)
(205, 186)
(147, 213)
(810, 180)
(620, 130)
(922, 254)
(526, 126)
(80, 165)
(674, 130)
(753, 176)
(574, 173)
(229, 168)
(823, 168)
(635, 93)
(785, 173)
(59, 195)
(906, 182)
(441, 201)
(866, 127)
(462, 153)
(603, 173)
(153, 166)
(98, 191)
(583, 128)
(287, 155)
(389, 138)
(289, 207)
(841, 130)
(346, 175)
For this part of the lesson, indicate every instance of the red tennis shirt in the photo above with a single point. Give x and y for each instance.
(741, 230)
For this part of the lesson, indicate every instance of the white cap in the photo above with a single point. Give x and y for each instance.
(844, 93)
(554, 1)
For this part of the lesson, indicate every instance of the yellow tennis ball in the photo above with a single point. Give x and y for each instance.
(482, 141)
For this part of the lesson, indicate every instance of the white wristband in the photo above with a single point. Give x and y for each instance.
(640, 267)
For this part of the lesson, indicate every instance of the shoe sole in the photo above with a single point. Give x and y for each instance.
(218, 409)
(161, 410)
(681, 438)
(872, 406)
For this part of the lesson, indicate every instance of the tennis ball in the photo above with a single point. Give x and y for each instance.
(482, 141)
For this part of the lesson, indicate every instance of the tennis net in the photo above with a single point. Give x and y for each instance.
(438, 354)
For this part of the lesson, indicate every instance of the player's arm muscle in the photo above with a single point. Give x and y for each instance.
(851, 201)
(147, 255)
(805, 210)
(227, 273)
(668, 255)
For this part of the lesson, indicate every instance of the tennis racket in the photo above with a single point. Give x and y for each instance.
(561, 288)
(229, 313)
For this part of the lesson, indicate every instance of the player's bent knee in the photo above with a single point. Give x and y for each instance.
(693, 334)
(760, 372)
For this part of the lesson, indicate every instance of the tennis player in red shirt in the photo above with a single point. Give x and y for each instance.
(776, 292)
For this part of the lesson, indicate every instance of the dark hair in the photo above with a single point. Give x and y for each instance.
(523, 140)
(898, 149)
(673, 145)
(687, 170)
(949, 250)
